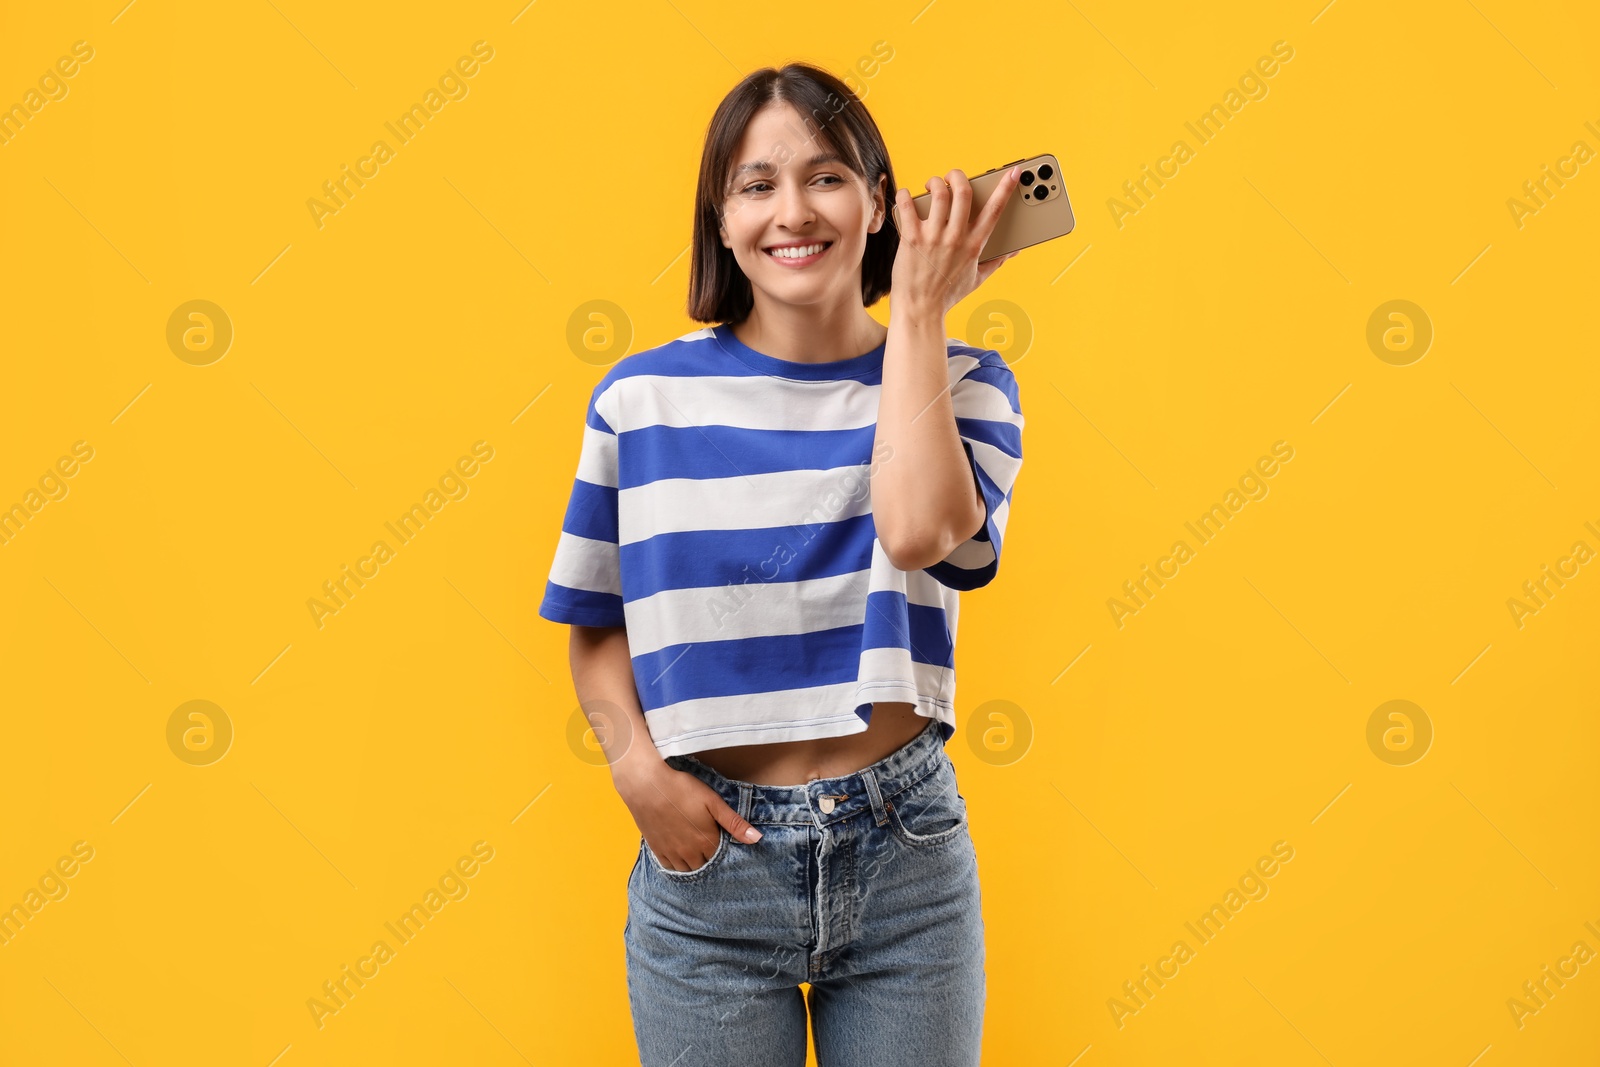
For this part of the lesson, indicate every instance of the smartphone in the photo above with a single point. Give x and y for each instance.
(1037, 211)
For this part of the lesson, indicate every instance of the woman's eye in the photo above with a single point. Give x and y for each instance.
(756, 187)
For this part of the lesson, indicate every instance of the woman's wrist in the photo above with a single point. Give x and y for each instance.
(635, 767)
(916, 314)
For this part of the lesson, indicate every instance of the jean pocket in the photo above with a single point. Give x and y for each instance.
(929, 812)
(694, 873)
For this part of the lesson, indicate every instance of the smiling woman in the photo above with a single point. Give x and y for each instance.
(762, 558)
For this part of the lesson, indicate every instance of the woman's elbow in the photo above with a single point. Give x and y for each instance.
(914, 550)
(913, 553)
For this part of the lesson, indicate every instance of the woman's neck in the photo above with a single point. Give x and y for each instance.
(807, 335)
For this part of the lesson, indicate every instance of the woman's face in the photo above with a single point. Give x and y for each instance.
(796, 199)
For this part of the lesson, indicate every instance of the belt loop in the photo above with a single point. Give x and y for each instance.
(746, 792)
(879, 812)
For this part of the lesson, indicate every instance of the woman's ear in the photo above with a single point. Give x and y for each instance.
(878, 204)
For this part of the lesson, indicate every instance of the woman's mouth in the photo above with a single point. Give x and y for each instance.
(798, 255)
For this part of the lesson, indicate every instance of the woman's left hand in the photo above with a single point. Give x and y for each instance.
(937, 265)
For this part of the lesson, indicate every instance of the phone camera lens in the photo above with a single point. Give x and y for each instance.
(1026, 178)
(1041, 192)
(1045, 172)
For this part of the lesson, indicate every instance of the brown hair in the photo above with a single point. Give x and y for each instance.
(718, 289)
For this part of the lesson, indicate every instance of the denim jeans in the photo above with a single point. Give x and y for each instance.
(864, 886)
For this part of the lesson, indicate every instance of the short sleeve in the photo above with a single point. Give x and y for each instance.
(988, 414)
(585, 584)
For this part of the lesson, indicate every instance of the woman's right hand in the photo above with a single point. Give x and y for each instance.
(678, 816)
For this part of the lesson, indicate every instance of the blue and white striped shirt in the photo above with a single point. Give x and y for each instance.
(722, 513)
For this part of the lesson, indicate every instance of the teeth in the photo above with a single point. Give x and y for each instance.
(797, 253)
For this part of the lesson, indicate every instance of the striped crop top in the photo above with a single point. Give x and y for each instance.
(722, 513)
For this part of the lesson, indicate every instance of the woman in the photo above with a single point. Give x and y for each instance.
(761, 561)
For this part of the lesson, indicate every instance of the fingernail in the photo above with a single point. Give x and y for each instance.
(752, 834)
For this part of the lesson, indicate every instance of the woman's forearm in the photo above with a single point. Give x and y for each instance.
(602, 675)
(925, 501)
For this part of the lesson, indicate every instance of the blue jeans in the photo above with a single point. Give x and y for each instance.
(875, 903)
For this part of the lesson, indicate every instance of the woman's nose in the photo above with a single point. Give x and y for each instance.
(794, 209)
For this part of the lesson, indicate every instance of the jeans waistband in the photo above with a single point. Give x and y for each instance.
(846, 795)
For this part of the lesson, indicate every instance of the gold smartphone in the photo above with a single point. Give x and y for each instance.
(1037, 211)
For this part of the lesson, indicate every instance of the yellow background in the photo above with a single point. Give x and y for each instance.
(432, 711)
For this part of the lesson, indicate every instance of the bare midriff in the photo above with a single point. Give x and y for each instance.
(798, 762)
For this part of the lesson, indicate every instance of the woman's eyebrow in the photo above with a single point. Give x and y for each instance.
(763, 166)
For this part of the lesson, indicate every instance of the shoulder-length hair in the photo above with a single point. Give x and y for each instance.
(718, 289)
